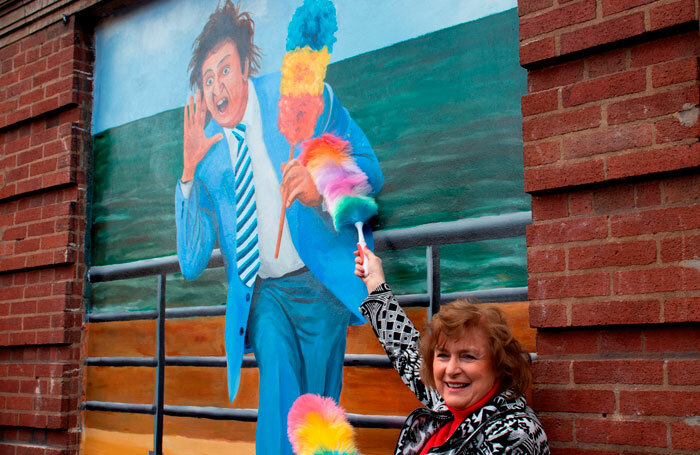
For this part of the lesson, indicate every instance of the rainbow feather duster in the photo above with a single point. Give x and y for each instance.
(317, 426)
(339, 180)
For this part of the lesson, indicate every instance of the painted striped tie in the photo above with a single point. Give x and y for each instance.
(247, 254)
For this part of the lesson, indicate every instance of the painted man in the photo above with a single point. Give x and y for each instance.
(293, 311)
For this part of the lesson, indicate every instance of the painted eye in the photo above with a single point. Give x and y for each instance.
(210, 80)
(226, 70)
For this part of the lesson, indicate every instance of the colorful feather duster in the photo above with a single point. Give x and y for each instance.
(341, 182)
(317, 426)
(310, 38)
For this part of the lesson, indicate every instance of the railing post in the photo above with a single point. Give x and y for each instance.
(160, 370)
(433, 262)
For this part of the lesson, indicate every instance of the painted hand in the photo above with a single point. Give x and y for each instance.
(297, 183)
(373, 264)
(195, 143)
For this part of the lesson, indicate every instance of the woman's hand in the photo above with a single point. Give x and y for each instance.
(375, 272)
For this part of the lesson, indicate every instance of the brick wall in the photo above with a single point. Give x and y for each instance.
(45, 95)
(611, 154)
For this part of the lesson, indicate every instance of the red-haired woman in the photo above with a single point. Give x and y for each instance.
(470, 373)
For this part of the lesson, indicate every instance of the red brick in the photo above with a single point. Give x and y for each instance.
(685, 436)
(557, 18)
(62, 239)
(558, 429)
(550, 207)
(682, 310)
(42, 78)
(653, 105)
(684, 372)
(605, 87)
(672, 14)
(613, 198)
(580, 285)
(45, 106)
(570, 341)
(602, 33)
(530, 6)
(537, 103)
(550, 260)
(672, 130)
(540, 153)
(580, 203)
(615, 6)
(608, 431)
(550, 177)
(60, 86)
(43, 167)
(681, 189)
(554, 76)
(647, 194)
(551, 371)
(15, 233)
(561, 123)
(674, 72)
(536, 51)
(658, 160)
(573, 400)
(640, 252)
(655, 220)
(31, 97)
(628, 371)
(547, 314)
(606, 63)
(674, 249)
(665, 279)
(615, 312)
(672, 339)
(27, 246)
(659, 402)
(612, 139)
(570, 230)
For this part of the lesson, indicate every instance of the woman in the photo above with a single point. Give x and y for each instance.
(471, 375)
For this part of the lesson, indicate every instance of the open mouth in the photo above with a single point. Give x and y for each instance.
(222, 104)
(456, 385)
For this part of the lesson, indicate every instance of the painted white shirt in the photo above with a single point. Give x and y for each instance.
(267, 195)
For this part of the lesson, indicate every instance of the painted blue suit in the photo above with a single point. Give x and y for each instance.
(208, 215)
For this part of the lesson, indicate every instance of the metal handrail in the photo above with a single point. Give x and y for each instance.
(430, 235)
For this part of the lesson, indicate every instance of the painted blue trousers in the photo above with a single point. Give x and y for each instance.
(297, 329)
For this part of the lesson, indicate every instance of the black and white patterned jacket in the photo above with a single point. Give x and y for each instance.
(504, 425)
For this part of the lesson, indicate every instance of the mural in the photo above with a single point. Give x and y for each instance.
(431, 96)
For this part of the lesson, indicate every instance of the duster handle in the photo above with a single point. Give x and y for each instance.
(361, 244)
(282, 212)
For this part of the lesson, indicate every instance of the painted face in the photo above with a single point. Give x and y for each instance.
(225, 84)
(463, 369)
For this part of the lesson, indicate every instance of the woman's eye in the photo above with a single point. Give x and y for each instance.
(226, 70)
(210, 80)
(441, 355)
(468, 357)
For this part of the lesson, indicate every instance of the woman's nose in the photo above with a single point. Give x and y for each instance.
(452, 366)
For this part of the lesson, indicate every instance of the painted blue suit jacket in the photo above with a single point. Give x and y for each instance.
(208, 215)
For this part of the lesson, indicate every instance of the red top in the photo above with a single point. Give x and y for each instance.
(443, 434)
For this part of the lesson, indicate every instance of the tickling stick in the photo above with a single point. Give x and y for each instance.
(309, 44)
(361, 244)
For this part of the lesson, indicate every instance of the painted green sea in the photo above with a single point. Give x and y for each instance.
(442, 112)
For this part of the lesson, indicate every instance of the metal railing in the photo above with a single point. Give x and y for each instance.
(431, 236)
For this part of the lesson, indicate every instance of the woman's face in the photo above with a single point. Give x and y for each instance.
(463, 369)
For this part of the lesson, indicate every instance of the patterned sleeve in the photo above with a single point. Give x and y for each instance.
(400, 340)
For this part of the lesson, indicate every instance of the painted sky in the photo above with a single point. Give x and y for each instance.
(143, 52)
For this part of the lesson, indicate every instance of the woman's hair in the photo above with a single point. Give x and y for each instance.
(511, 362)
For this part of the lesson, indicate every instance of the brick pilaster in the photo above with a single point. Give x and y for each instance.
(611, 154)
(45, 96)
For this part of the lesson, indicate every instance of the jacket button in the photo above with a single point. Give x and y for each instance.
(247, 297)
(240, 332)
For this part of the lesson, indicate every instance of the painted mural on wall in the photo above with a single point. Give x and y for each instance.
(212, 101)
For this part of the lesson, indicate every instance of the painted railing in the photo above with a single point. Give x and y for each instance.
(431, 236)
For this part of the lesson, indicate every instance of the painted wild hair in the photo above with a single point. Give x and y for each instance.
(510, 361)
(226, 23)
